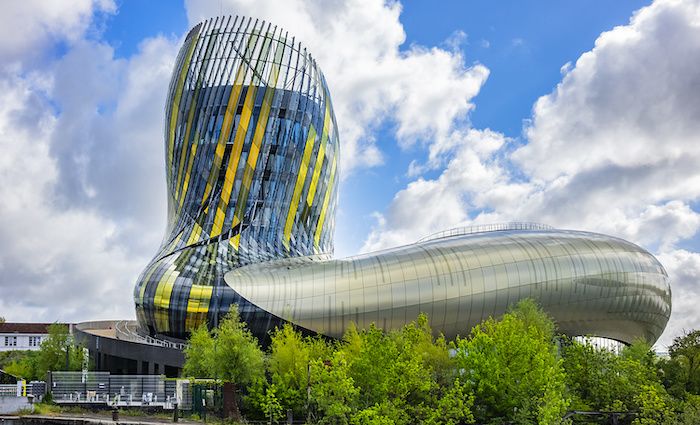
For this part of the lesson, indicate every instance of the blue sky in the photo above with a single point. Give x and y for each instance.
(579, 115)
(523, 44)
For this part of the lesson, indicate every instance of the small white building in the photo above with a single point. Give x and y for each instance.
(22, 336)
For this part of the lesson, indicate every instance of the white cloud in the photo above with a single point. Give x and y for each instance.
(59, 262)
(684, 271)
(456, 40)
(28, 27)
(631, 101)
(471, 181)
(614, 149)
(108, 141)
(83, 188)
(357, 44)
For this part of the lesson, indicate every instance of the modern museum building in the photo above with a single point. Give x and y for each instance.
(252, 159)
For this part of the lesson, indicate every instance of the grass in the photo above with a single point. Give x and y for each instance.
(51, 409)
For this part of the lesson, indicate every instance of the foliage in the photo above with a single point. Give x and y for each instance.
(402, 375)
(199, 350)
(602, 380)
(653, 405)
(288, 365)
(512, 367)
(454, 407)
(590, 376)
(230, 354)
(2, 319)
(25, 366)
(7, 357)
(236, 356)
(683, 367)
(333, 393)
(689, 413)
(57, 352)
(674, 377)
(270, 404)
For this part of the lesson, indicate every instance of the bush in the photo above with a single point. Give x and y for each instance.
(513, 369)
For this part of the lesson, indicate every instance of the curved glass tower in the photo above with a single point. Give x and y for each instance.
(252, 155)
(251, 162)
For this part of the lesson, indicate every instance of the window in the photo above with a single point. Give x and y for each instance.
(10, 341)
(34, 341)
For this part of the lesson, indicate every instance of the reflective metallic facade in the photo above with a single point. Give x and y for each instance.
(252, 157)
(591, 284)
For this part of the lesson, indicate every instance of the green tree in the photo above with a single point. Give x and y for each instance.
(7, 357)
(403, 376)
(57, 352)
(334, 395)
(24, 366)
(591, 376)
(288, 365)
(674, 377)
(689, 411)
(2, 320)
(231, 353)
(685, 352)
(236, 355)
(393, 379)
(198, 354)
(653, 405)
(512, 368)
(454, 407)
(599, 379)
(370, 357)
(416, 340)
(270, 404)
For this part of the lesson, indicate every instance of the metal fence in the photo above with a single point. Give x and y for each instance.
(126, 330)
(483, 228)
(119, 390)
(37, 389)
(8, 390)
(207, 397)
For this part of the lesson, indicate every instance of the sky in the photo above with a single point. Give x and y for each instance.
(580, 115)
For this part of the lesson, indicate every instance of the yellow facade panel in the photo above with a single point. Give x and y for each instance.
(299, 185)
(254, 153)
(321, 155)
(235, 156)
(176, 99)
(324, 208)
(230, 114)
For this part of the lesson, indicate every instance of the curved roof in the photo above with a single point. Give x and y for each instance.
(591, 284)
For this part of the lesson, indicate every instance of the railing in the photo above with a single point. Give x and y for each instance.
(600, 343)
(37, 389)
(119, 390)
(8, 390)
(483, 228)
(125, 330)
